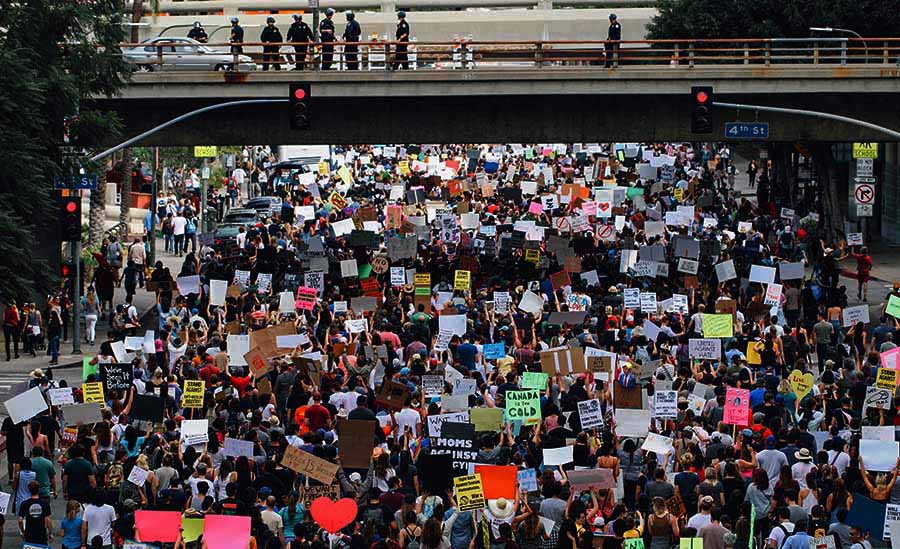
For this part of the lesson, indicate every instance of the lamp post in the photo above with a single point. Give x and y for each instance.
(848, 31)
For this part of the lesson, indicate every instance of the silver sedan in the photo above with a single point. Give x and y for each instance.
(183, 54)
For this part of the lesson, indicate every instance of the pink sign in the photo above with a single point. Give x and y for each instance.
(226, 532)
(737, 407)
(589, 207)
(158, 526)
(535, 208)
(306, 298)
(889, 359)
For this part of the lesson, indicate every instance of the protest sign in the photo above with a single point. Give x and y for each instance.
(886, 379)
(434, 421)
(665, 404)
(393, 395)
(93, 392)
(632, 423)
(879, 455)
(590, 414)
(534, 380)
(59, 397)
(487, 419)
(458, 441)
(558, 456)
(801, 383)
(148, 407)
(523, 405)
(194, 390)
(469, 493)
(307, 464)
(563, 360)
(851, 315)
(705, 349)
(527, 479)
(83, 414)
(116, 376)
(432, 385)
(236, 447)
(138, 476)
(357, 440)
(877, 398)
(737, 407)
(591, 478)
(717, 325)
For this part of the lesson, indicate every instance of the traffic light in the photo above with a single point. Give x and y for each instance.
(300, 107)
(70, 218)
(701, 116)
(66, 270)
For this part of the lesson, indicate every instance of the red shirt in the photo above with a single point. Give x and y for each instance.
(208, 371)
(240, 383)
(318, 416)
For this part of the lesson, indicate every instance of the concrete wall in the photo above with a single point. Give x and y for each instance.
(441, 26)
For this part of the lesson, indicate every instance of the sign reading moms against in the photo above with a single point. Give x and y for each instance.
(193, 393)
(523, 405)
(469, 492)
(303, 462)
(116, 376)
(458, 441)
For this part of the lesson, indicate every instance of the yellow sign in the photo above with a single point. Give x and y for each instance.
(345, 175)
(93, 392)
(753, 349)
(679, 194)
(801, 383)
(717, 326)
(337, 200)
(323, 168)
(469, 492)
(201, 151)
(423, 279)
(533, 256)
(463, 280)
(193, 393)
(865, 150)
(887, 379)
(404, 167)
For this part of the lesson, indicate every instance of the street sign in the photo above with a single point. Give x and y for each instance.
(864, 210)
(864, 179)
(76, 182)
(201, 151)
(864, 193)
(314, 4)
(865, 167)
(865, 150)
(747, 130)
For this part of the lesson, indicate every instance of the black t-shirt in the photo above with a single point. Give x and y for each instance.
(15, 439)
(33, 511)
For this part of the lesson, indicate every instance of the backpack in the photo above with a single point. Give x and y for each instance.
(411, 542)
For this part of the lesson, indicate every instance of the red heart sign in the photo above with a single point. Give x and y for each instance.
(603, 205)
(333, 515)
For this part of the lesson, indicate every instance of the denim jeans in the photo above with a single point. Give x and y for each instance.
(53, 348)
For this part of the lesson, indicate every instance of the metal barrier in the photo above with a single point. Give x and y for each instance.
(384, 55)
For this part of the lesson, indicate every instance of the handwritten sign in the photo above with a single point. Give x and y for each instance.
(307, 464)
(194, 390)
(737, 406)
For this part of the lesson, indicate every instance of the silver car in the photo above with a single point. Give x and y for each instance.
(183, 54)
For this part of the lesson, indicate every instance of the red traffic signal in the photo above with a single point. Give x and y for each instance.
(701, 113)
(299, 93)
(70, 218)
(71, 206)
(66, 270)
(300, 107)
(701, 97)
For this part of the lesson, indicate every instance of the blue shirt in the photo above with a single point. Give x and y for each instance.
(799, 540)
(71, 531)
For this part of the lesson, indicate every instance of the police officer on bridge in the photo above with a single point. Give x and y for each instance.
(198, 33)
(300, 34)
(401, 36)
(352, 32)
(271, 35)
(613, 36)
(237, 36)
(326, 35)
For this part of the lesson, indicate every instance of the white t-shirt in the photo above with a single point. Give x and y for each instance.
(239, 175)
(407, 418)
(840, 462)
(99, 522)
(178, 225)
(699, 520)
(777, 534)
(273, 520)
(799, 472)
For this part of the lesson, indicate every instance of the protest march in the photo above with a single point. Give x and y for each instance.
(486, 346)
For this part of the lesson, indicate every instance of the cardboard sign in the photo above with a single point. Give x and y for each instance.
(487, 419)
(630, 398)
(116, 376)
(564, 360)
(308, 494)
(194, 390)
(307, 464)
(592, 478)
(469, 492)
(259, 364)
(83, 414)
(737, 407)
(462, 280)
(356, 442)
(392, 396)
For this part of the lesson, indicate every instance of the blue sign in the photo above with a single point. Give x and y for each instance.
(494, 351)
(80, 182)
(747, 130)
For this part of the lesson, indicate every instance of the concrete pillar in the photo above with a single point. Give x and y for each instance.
(111, 192)
(389, 9)
(231, 8)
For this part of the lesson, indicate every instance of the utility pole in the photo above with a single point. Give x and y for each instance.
(76, 293)
(157, 179)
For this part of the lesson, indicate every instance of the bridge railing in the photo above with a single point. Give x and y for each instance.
(458, 55)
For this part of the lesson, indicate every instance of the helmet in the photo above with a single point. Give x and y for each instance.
(612, 16)
(298, 17)
(197, 24)
(401, 14)
(270, 19)
(329, 12)
(234, 20)
(349, 14)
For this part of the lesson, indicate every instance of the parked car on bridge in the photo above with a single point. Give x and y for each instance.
(183, 54)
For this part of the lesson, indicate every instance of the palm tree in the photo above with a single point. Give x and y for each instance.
(97, 213)
(127, 167)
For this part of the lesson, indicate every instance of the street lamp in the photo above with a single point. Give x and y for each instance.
(848, 31)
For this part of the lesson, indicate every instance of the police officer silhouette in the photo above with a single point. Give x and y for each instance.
(326, 35)
(198, 33)
(300, 34)
(352, 33)
(271, 35)
(237, 36)
(402, 35)
(613, 36)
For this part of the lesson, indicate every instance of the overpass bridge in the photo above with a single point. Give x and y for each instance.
(533, 92)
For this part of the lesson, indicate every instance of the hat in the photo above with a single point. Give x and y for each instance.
(707, 499)
(770, 442)
(404, 371)
(129, 504)
(234, 19)
(612, 16)
(747, 432)
(37, 373)
(613, 290)
(803, 455)
(500, 508)
(298, 17)
(715, 436)
(355, 477)
(401, 14)
(265, 492)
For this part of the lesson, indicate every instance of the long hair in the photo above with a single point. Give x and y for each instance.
(431, 533)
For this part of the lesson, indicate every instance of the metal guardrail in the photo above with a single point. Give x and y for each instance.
(383, 55)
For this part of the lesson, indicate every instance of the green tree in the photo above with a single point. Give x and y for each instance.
(54, 56)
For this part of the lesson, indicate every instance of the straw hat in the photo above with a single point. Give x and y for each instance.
(500, 508)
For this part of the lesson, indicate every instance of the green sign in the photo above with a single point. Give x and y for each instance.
(893, 306)
(534, 380)
(719, 325)
(86, 368)
(523, 404)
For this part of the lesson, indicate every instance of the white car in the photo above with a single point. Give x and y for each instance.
(183, 54)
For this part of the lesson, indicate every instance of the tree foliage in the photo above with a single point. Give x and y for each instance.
(54, 56)
(771, 18)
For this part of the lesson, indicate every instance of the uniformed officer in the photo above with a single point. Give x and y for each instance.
(198, 33)
(352, 32)
(237, 36)
(613, 36)
(300, 34)
(326, 35)
(402, 35)
(271, 35)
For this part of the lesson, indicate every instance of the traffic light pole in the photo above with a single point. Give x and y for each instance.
(814, 114)
(76, 296)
